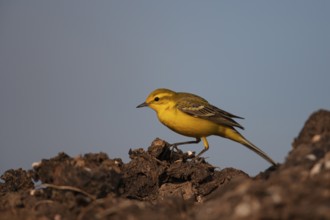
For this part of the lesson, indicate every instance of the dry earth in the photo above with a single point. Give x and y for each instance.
(165, 184)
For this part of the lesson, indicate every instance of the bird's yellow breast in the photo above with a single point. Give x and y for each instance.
(185, 124)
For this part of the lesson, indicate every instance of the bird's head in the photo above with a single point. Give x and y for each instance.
(160, 99)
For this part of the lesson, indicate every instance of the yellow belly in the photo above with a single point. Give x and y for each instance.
(187, 125)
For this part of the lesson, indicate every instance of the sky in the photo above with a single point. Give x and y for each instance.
(73, 72)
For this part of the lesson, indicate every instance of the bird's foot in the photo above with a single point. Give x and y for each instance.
(175, 147)
(198, 159)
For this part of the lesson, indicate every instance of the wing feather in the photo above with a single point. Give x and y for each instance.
(198, 107)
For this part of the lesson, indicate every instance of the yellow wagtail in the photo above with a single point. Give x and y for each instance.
(192, 116)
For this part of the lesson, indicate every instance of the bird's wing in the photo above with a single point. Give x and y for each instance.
(200, 108)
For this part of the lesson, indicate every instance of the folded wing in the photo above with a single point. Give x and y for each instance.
(199, 107)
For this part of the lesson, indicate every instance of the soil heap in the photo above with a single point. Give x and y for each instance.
(164, 183)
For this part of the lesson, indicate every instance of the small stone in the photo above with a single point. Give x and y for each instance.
(36, 164)
(316, 138)
(311, 157)
(316, 169)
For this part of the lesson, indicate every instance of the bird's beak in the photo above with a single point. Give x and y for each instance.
(144, 104)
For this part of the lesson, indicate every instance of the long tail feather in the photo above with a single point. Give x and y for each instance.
(236, 136)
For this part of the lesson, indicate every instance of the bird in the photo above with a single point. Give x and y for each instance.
(193, 116)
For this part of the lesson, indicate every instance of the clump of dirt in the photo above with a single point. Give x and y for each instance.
(165, 183)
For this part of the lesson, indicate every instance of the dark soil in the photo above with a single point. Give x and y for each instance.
(162, 183)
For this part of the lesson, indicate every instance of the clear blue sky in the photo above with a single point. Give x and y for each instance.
(72, 73)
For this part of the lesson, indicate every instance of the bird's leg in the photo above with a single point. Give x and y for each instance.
(175, 145)
(206, 147)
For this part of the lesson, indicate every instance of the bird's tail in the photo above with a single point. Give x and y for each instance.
(236, 136)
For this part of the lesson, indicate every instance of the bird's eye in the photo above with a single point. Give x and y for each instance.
(156, 99)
